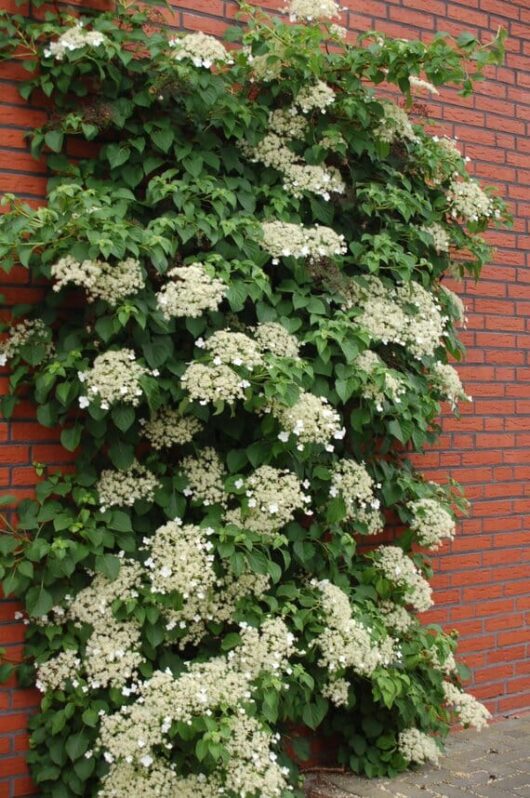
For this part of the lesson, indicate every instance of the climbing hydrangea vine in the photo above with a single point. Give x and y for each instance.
(244, 333)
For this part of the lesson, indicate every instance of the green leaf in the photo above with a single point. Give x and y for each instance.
(314, 712)
(71, 437)
(117, 155)
(163, 138)
(123, 416)
(54, 140)
(76, 745)
(121, 455)
(236, 459)
(108, 565)
(38, 601)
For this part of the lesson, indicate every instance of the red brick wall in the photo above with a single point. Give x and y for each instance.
(483, 580)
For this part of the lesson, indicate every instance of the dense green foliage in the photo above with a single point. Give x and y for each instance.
(176, 174)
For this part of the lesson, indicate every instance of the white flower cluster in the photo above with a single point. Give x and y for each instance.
(387, 316)
(180, 559)
(114, 377)
(132, 734)
(217, 604)
(211, 383)
(395, 617)
(252, 768)
(379, 382)
(274, 338)
(168, 427)
(57, 671)
(470, 711)
(458, 309)
(199, 48)
(112, 651)
(191, 292)
(284, 239)
(273, 496)
(100, 279)
(468, 201)
(415, 746)
(298, 176)
(125, 780)
(29, 331)
(401, 571)
(233, 348)
(446, 380)
(354, 484)
(345, 642)
(310, 420)
(338, 31)
(318, 96)
(205, 474)
(432, 523)
(447, 665)
(394, 124)
(337, 692)
(74, 38)
(288, 123)
(124, 488)
(311, 10)
(217, 381)
(419, 85)
(440, 236)
(451, 160)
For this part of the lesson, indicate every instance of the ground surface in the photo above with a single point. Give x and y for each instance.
(492, 764)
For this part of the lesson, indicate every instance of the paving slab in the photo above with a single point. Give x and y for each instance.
(494, 763)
